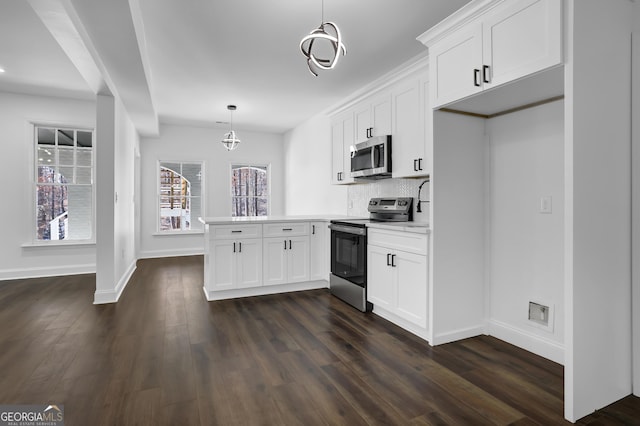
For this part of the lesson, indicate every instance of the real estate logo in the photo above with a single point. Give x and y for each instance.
(31, 415)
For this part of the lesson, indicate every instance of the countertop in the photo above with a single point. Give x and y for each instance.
(415, 227)
(228, 220)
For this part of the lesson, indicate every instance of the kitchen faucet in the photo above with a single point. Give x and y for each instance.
(418, 203)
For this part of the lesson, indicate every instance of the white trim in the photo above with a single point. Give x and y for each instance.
(59, 243)
(51, 271)
(456, 20)
(417, 63)
(176, 233)
(153, 254)
(462, 333)
(102, 296)
(536, 344)
(261, 291)
(421, 332)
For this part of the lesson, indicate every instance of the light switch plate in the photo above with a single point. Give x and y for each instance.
(545, 204)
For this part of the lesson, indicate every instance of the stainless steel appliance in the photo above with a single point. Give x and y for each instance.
(371, 159)
(348, 278)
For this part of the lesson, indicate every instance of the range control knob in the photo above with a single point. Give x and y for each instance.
(373, 202)
(402, 203)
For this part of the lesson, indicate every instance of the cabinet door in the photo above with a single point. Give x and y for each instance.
(381, 115)
(347, 143)
(337, 151)
(408, 137)
(298, 259)
(274, 261)
(411, 297)
(249, 263)
(520, 38)
(362, 121)
(380, 285)
(223, 265)
(318, 251)
(455, 66)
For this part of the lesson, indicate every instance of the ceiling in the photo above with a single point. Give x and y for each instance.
(182, 62)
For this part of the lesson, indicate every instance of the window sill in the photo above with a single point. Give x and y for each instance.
(59, 244)
(174, 233)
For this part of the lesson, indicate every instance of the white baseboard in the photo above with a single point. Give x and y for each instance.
(462, 333)
(46, 271)
(539, 345)
(264, 290)
(421, 332)
(112, 296)
(152, 254)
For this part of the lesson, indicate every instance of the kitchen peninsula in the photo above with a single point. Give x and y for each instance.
(252, 256)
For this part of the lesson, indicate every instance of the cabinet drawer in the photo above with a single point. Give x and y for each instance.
(398, 240)
(224, 232)
(286, 229)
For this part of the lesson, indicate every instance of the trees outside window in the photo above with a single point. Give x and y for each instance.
(249, 190)
(64, 193)
(180, 196)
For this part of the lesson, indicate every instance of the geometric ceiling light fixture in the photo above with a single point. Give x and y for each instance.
(230, 140)
(327, 32)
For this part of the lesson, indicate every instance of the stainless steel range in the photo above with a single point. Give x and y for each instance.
(348, 278)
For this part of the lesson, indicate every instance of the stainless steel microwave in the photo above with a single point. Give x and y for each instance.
(371, 159)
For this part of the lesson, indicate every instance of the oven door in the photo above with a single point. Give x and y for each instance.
(349, 254)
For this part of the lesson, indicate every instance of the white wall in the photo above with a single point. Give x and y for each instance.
(598, 205)
(17, 259)
(526, 256)
(186, 143)
(307, 153)
(116, 144)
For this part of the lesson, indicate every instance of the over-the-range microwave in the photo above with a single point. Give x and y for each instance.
(371, 159)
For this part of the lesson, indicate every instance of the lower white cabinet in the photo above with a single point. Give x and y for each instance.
(236, 263)
(318, 250)
(286, 259)
(397, 280)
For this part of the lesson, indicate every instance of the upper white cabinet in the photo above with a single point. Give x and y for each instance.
(412, 136)
(508, 40)
(342, 134)
(400, 109)
(373, 117)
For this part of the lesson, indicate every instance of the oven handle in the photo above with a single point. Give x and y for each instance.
(348, 229)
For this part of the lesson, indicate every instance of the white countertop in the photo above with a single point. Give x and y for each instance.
(415, 227)
(228, 220)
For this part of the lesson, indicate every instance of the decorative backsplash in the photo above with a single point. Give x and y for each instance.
(360, 194)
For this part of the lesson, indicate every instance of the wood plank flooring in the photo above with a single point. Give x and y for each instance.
(164, 355)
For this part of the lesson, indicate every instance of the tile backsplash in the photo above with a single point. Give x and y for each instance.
(359, 195)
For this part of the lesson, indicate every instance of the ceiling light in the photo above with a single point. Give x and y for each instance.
(230, 140)
(326, 31)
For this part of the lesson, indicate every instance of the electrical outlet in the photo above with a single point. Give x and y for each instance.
(545, 204)
(541, 315)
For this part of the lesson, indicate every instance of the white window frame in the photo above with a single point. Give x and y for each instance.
(249, 164)
(33, 178)
(202, 198)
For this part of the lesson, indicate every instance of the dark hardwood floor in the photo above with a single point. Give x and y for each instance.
(164, 355)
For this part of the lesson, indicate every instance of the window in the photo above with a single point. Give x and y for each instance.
(180, 196)
(64, 194)
(249, 190)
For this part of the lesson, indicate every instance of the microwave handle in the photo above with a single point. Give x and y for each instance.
(375, 157)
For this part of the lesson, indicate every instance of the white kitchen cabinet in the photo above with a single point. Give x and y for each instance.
(372, 117)
(318, 251)
(286, 253)
(412, 135)
(512, 40)
(342, 138)
(397, 275)
(236, 263)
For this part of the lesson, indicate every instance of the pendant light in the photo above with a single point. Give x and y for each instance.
(326, 31)
(230, 141)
